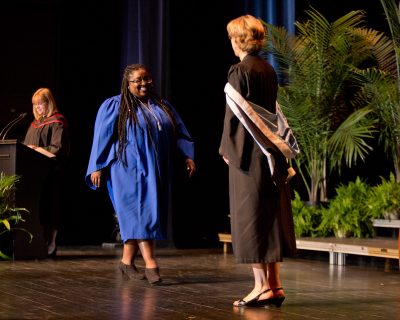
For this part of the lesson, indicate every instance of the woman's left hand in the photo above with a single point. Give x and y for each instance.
(190, 167)
(95, 177)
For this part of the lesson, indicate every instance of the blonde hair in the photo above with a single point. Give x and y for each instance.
(44, 95)
(248, 32)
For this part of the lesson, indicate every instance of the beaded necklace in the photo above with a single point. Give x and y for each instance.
(148, 107)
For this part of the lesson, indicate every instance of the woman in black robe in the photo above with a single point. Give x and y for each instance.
(260, 204)
(49, 131)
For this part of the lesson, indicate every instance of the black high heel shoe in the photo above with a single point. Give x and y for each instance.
(277, 301)
(153, 275)
(130, 271)
(253, 302)
(53, 253)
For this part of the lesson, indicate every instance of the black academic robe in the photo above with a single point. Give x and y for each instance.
(260, 205)
(51, 133)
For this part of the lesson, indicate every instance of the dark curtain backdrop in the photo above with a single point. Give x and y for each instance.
(276, 12)
(187, 49)
(144, 37)
(79, 48)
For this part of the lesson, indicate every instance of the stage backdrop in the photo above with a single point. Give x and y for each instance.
(79, 48)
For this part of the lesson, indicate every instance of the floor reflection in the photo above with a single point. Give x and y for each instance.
(137, 302)
(259, 313)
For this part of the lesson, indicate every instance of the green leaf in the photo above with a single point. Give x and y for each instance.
(6, 223)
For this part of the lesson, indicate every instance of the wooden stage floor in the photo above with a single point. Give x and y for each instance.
(84, 283)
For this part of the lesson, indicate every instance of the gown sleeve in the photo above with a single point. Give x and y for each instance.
(57, 139)
(105, 141)
(235, 141)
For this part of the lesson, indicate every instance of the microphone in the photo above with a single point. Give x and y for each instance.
(10, 125)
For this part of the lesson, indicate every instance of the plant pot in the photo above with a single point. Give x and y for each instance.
(340, 233)
(391, 215)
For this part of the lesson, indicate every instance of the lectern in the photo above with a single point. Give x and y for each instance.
(32, 167)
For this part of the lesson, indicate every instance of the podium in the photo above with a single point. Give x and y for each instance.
(32, 167)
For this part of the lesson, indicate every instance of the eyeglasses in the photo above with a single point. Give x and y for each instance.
(140, 80)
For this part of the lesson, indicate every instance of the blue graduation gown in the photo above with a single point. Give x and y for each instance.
(140, 191)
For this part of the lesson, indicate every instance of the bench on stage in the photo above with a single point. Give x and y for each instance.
(384, 247)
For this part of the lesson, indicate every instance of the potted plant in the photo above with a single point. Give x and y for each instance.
(390, 99)
(319, 65)
(305, 217)
(384, 201)
(347, 214)
(10, 216)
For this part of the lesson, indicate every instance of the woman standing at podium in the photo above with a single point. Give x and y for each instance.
(49, 131)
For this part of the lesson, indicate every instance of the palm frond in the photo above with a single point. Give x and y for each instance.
(374, 44)
(392, 12)
(319, 98)
(349, 140)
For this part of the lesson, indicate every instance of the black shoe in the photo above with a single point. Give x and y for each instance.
(253, 302)
(153, 275)
(130, 271)
(276, 301)
(53, 253)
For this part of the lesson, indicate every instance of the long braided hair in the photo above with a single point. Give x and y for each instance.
(129, 106)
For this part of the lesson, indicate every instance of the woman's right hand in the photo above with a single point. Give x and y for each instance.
(95, 177)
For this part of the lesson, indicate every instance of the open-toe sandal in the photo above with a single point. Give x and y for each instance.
(277, 300)
(251, 303)
(263, 302)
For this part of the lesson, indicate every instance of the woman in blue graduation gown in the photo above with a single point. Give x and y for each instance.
(135, 139)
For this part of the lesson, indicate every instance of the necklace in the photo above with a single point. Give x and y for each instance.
(148, 107)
